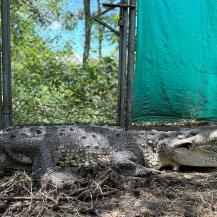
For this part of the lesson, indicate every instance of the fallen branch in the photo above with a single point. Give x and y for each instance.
(15, 199)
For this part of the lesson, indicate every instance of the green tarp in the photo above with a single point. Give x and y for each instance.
(176, 68)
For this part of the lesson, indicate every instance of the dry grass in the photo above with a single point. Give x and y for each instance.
(105, 193)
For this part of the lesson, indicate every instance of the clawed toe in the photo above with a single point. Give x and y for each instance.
(146, 172)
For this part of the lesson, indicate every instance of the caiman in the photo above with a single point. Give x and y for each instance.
(133, 153)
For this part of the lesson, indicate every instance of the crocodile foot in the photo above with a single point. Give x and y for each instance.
(126, 163)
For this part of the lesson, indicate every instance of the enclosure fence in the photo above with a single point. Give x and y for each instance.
(44, 80)
(73, 61)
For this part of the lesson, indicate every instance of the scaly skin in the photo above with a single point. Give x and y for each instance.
(134, 153)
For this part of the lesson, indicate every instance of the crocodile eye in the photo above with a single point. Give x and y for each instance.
(12, 136)
(193, 133)
(186, 145)
(166, 136)
(38, 131)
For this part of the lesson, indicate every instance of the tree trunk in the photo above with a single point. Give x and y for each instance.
(88, 24)
(100, 32)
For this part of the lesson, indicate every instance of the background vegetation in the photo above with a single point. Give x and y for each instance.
(50, 84)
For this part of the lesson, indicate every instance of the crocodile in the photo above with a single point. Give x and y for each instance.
(133, 153)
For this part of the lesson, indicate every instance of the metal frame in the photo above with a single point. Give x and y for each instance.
(123, 23)
(100, 21)
(126, 57)
(6, 65)
(131, 64)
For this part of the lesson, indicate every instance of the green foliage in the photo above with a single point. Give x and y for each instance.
(48, 87)
(56, 93)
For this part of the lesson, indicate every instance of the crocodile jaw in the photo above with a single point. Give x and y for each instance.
(194, 156)
(199, 150)
(188, 152)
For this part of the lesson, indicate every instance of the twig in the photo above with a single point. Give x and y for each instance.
(11, 181)
(107, 193)
(5, 213)
(40, 213)
(14, 199)
(78, 191)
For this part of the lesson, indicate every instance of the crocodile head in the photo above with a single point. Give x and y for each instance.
(191, 148)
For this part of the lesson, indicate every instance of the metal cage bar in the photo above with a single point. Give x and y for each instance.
(123, 23)
(131, 63)
(6, 64)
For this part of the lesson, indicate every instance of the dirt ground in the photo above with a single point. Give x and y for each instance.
(107, 194)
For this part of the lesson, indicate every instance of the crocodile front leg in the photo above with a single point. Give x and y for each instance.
(125, 163)
(34, 149)
(42, 159)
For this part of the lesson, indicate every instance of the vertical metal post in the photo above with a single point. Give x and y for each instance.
(131, 63)
(123, 23)
(1, 73)
(6, 63)
(1, 86)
